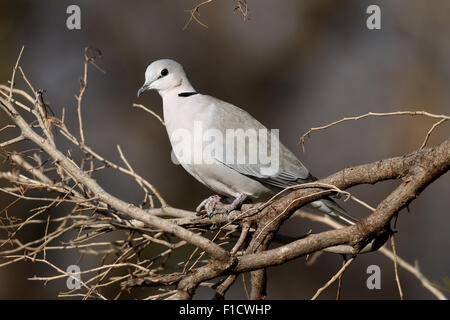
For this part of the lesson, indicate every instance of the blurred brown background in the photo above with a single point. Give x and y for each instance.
(293, 65)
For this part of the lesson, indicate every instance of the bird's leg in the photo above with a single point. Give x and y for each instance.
(209, 204)
(237, 202)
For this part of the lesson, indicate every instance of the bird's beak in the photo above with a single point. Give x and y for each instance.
(145, 87)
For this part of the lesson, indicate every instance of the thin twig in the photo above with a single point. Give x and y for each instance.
(378, 114)
(397, 279)
(414, 270)
(244, 283)
(14, 74)
(338, 293)
(12, 141)
(430, 131)
(333, 279)
(135, 105)
(193, 12)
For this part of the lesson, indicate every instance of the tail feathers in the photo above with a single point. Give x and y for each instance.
(331, 208)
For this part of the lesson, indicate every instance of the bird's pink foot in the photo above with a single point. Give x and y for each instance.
(209, 205)
(237, 202)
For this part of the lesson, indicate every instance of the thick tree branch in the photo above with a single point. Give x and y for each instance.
(423, 168)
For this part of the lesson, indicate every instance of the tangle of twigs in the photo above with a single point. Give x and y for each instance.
(134, 243)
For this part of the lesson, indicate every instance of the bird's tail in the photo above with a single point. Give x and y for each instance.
(331, 208)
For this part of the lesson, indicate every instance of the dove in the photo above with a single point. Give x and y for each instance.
(234, 171)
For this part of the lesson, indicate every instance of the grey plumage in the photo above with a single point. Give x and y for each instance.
(185, 111)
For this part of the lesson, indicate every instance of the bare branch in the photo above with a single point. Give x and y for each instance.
(442, 118)
(135, 105)
(334, 278)
(397, 279)
(14, 74)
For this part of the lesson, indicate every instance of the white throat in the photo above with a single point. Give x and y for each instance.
(183, 87)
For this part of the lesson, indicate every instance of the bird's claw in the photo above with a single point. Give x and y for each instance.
(236, 202)
(209, 204)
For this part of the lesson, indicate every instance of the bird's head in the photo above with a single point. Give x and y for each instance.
(164, 75)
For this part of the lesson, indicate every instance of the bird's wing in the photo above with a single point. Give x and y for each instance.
(288, 169)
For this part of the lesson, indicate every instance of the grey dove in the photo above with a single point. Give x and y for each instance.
(226, 167)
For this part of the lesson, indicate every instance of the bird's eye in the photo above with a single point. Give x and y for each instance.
(164, 72)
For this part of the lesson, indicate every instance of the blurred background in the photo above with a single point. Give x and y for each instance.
(293, 65)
